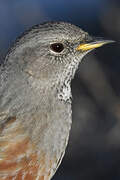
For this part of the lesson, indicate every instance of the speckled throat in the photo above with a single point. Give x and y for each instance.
(64, 87)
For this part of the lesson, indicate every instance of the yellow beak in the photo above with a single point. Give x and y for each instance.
(92, 45)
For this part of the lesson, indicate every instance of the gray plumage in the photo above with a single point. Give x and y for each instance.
(35, 88)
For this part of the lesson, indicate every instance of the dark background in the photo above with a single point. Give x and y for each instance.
(93, 152)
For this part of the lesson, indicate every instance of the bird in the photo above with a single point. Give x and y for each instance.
(36, 98)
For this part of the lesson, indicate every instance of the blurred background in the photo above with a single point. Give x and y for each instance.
(93, 152)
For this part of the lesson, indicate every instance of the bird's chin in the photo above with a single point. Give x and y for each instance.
(86, 52)
(81, 56)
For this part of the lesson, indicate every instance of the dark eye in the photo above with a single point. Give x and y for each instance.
(57, 47)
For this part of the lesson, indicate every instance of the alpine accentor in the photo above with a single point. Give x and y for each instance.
(35, 99)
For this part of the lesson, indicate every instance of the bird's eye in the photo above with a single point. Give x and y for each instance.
(57, 47)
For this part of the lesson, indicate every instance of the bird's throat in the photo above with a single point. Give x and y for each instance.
(64, 86)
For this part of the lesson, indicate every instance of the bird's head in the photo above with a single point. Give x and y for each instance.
(51, 52)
